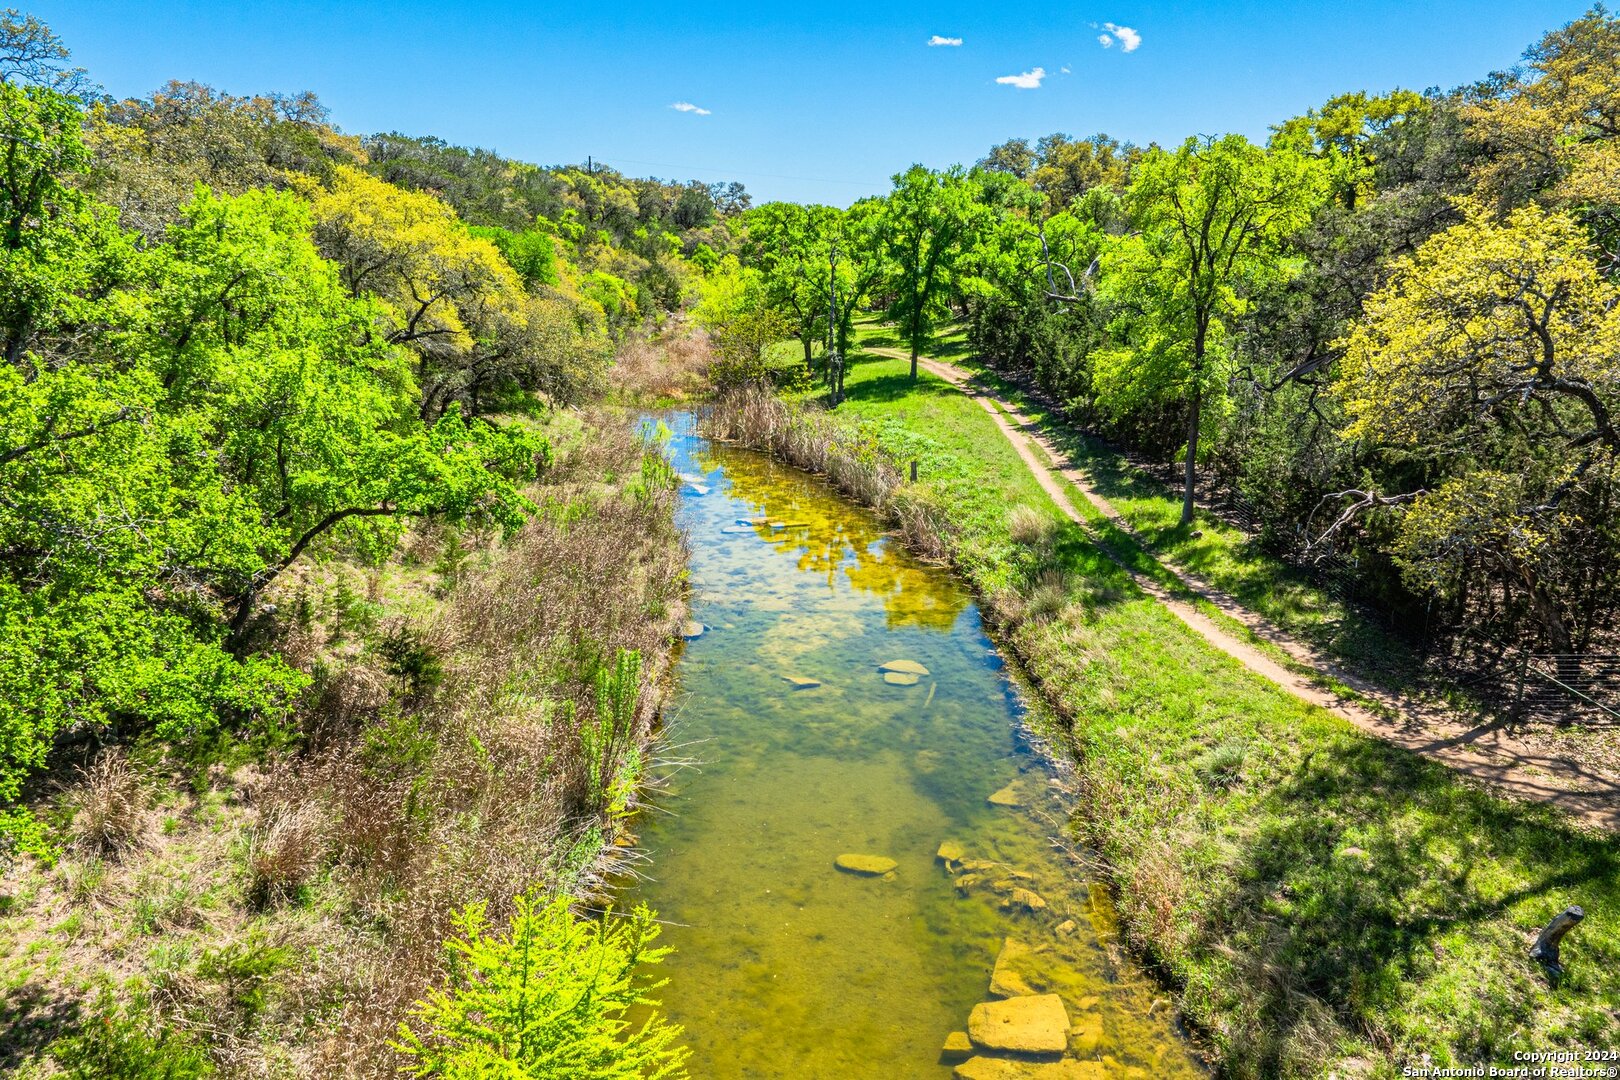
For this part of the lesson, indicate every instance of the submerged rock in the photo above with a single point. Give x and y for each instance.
(1086, 1036)
(958, 1047)
(1007, 796)
(1065, 928)
(904, 667)
(865, 865)
(1024, 898)
(691, 629)
(950, 853)
(1036, 1024)
(1015, 972)
(900, 678)
(800, 682)
(985, 1068)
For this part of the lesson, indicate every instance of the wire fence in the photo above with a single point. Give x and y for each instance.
(1565, 688)
(1568, 687)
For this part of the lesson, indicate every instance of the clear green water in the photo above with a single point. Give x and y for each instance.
(785, 966)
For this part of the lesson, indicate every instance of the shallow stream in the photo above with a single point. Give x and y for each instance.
(785, 965)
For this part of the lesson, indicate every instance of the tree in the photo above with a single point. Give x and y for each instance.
(31, 54)
(929, 217)
(790, 244)
(1494, 353)
(1344, 133)
(1212, 218)
(1551, 128)
(741, 323)
(544, 1000)
(450, 296)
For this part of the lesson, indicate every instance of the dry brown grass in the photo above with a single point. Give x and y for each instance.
(809, 438)
(1031, 528)
(671, 368)
(344, 862)
(109, 806)
(286, 849)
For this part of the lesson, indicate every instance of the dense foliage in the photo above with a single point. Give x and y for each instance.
(1392, 330)
(231, 343)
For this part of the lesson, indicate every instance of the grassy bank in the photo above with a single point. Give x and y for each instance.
(271, 904)
(1323, 902)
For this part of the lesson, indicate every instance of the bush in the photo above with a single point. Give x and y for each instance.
(121, 1045)
(544, 1001)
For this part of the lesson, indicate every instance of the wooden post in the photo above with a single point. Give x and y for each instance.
(1518, 690)
(914, 471)
(1545, 950)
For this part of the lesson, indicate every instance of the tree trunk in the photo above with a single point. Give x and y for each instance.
(1192, 454)
(913, 359)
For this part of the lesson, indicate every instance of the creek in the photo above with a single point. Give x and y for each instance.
(784, 964)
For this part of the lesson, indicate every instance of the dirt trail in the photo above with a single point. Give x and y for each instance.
(1484, 753)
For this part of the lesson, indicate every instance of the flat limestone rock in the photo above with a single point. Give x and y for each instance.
(1065, 928)
(958, 1047)
(691, 629)
(985, 1068)
(1024, 898)
(950, 853)
(899, 678)
(1086, 1036)
(865, 865)
(800, 682)
(1036, 1024)
(906, 667)
(1015, 974)
(1007, 796)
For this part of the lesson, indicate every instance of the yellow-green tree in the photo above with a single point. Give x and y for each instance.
(1492, 356)
(450, 296)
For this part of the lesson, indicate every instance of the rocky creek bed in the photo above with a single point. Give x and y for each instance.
(858, 870)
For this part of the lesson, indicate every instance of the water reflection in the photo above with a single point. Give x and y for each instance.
(790, 512)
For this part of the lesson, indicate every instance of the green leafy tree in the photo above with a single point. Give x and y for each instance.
(544, 999)
(1211, 218)
(930, 216)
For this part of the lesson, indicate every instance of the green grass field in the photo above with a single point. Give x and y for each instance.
(1323, 900)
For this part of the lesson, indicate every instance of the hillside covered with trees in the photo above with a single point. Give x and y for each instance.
(1390, 331)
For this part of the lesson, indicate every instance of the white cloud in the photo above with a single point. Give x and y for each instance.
(1129, 40)
(951, 41)
(687, 106)
(1065, 70)
(1029, 80)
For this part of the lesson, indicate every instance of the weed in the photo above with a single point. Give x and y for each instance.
(286, 849)
(1221, 766)
(108, 805)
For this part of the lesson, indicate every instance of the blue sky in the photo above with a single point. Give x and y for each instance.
(815, 102)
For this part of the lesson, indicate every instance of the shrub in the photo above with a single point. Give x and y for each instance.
(243, 971)
(109, 805)
(411, 658)
(1029, 527)
(544, 1001)
(116, 1044)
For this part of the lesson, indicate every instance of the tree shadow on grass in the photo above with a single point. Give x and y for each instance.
(887, 388)
(1365, 860)
(30, 1020)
